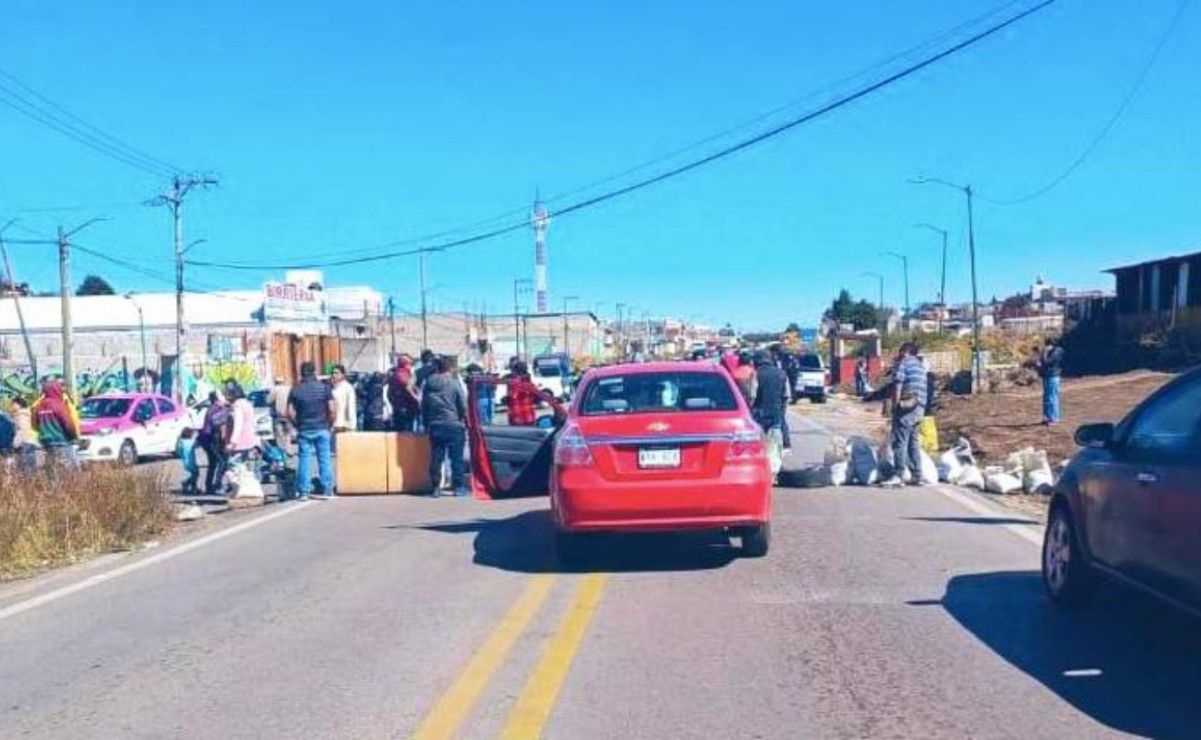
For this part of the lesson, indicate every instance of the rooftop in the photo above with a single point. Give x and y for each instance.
(1175, 258)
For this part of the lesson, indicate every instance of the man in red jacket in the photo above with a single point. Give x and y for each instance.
(57, 423)
(406, 404)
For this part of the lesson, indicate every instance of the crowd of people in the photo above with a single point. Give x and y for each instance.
(48, 427)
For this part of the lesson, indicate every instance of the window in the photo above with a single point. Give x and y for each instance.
(104, 408)
(164, 406)
(144, 411)
(1171, 425)
(809, 362)
(658, 392)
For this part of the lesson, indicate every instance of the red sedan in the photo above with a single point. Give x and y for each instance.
(660, 447)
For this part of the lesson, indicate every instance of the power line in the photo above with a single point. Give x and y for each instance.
(675, 171)
(1106, 128)
(25, 100)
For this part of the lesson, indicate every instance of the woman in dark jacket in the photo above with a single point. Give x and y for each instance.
(213, 437)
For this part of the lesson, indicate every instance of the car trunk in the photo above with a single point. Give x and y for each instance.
(686, 445)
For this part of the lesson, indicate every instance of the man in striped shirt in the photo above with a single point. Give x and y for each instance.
(908, 408)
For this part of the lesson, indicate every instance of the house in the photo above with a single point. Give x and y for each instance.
(1159, 295)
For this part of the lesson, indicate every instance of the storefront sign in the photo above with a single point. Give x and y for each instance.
(293, 303)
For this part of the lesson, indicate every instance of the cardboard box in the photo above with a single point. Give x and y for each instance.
(362, 463)
(408, 462)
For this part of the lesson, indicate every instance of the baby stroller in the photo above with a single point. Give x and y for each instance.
(273, 468)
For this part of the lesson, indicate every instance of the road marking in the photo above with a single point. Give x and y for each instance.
(452, 708)
(1033, 536)
(537, 699)
(124, 570)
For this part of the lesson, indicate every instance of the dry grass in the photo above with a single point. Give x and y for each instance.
(57, 517)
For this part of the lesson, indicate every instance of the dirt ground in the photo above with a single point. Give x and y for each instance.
(998, 424)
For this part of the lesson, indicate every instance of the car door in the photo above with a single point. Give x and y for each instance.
(170, 423)
(1153, 489)
(145, 429)
(506, 461)
(1167, 441)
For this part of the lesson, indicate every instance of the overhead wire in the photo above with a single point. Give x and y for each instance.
(1110, 122)
(673, 172)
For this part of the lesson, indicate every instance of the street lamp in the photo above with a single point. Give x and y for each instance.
(879, 277)
(518, 285)
(942, 290)
(566, 344)
(141, 330)
(971, 244)
(905, 267)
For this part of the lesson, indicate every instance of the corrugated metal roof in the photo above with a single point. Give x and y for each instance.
(1178, 258)
(108, 311)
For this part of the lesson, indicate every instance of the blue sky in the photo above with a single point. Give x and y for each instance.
(345, 125)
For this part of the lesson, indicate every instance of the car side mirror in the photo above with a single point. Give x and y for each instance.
(1098, 436)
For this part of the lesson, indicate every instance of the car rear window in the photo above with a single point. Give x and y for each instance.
(809, 362)
(658, 392)
(104, 408)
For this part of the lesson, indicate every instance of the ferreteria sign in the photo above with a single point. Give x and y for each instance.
(284, 302)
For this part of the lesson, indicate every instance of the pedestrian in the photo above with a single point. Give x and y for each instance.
(524, 397)
(909, 394)
(311, 410)
(56, 422)
(213, 437)
(277, 399)
(744, 376)
(403, 396)
(346, 414)
(185, 450)
(485, 394)
(1050, 368)
(771, 387)
(861, 386)
(200, 387)
(427, 368)
(377, 413)
(444, 414)
(243, 437)
(792, 370)
(25, 440)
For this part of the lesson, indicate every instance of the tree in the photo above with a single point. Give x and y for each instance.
(793, 328)
(860, 314)
(95, 285)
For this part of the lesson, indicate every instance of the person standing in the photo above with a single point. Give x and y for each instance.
(792, 370)
(1050, 368)
(485, 394)
(861, 388)
(744, 376)
(346, 413)
(56, 422)
(243, 437)
(771, 387)
(524, 397)
(908, 407)
(213, 436)
(444, 414)
(428, 365)
(277, 399)
(311, 409)
(402, 394)
(25, 440)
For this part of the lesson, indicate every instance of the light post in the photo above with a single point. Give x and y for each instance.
(566, 343)
(905, 268)
(971, 245)
(141, 330)
(518, 284)
(878, 276)
(942, 290)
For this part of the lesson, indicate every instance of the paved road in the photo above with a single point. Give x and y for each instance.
(904, 614)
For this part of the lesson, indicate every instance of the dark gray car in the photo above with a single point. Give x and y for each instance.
(1129, 503)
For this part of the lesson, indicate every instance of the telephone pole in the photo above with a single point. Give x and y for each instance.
(518, 283)
(64, 279)
(12, 286)
(942, 290)
(181, 185)
(566, 335)
(425, 332)
(905, 267)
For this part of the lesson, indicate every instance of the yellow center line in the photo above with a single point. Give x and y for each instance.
(537, 699)
(453, 706)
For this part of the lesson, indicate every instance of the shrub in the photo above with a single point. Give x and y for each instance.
(55, 517)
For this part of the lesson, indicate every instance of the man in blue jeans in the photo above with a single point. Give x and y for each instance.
(311, 411)
(444, 413)
(1050, 368)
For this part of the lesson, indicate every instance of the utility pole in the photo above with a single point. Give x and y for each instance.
(64, 280)
(425, 332)
(942, 290)
(392, 326)
(141, 328)
(621, 347)
(878, 276)
(566, 335)
(905, 268)
(12, 285)
(971, 243)
(181, 185)
(518, 283)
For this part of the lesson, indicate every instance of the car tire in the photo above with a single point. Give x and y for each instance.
(820, 399)
(756, 541)
(1066, 574)
(127, 455)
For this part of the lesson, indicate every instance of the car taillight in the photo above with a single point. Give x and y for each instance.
(746, 445)
(571, 449)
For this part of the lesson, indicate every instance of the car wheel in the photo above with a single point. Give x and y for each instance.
(1066, 575)
(756, 540)
(820, 399)
(128, 454)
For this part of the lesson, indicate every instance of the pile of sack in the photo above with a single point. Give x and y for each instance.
(1026, 470)
(856, 461)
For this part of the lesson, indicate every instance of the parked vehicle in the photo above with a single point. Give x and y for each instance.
(552, 372)
(124, 427)
(813, 380)
(1128, 506)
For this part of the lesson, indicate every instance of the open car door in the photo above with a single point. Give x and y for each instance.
(506, 461)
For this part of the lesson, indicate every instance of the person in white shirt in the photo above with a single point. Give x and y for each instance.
(346, 412)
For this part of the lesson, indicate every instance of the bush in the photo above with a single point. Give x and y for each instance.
(51, 518)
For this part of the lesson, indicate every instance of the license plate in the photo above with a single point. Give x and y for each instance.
(659, 457)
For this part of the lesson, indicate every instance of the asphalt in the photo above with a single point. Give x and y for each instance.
(877, 613)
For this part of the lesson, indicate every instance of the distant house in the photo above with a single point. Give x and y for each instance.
(1163, 294)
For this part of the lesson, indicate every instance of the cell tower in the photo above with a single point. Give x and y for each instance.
(540, 219)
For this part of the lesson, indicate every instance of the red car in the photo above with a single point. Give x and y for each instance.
(662, 446)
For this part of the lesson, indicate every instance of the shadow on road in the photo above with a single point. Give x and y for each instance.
(972, 519)
(525, 544)
(1127, 661)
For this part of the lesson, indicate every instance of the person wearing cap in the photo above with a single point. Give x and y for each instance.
(277, 399)
(56, 422)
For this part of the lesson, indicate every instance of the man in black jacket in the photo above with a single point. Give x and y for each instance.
(769, 405)
(444, 413)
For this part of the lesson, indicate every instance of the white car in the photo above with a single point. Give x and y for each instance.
(813, 380)
(124, 427)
